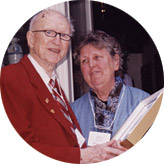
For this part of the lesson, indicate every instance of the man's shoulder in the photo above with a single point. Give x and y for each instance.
(14, 67)
(13, 72)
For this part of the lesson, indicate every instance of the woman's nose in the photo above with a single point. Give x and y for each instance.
(91, 63)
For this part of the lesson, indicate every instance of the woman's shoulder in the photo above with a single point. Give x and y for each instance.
(136, 92)
(81, 104)
(80, 100)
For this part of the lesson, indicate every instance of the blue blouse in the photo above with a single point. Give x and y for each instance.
(128, 100)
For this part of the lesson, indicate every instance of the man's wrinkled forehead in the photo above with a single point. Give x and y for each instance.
(48, 15)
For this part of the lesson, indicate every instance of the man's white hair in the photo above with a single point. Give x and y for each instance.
(47, 11)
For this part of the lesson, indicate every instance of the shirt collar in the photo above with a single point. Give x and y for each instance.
(41, 71)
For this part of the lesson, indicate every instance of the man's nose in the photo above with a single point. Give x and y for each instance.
(57, 40)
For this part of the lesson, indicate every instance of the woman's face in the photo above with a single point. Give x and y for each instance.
(98, 67)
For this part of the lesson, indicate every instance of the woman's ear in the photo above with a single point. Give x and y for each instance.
(30, 38)
(117, 62)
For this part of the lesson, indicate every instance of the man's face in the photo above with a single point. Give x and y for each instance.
(48, 50)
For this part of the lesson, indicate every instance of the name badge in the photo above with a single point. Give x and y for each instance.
(80, 138)
(98, 138)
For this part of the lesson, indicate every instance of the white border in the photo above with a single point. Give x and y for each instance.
(12, 16)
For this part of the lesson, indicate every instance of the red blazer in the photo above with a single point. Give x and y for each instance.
(35, 114)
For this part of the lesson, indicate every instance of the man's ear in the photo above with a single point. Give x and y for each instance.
(30, 39)
(117, 62)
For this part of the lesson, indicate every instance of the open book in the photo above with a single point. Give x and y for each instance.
(140, 120)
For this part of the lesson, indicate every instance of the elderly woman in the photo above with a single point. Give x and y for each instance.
(109, 102)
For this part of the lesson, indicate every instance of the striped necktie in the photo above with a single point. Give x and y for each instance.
(58, 97)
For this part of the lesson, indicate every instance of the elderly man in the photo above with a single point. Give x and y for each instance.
(36, 104)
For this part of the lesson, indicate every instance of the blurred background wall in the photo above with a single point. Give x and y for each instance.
(142, 61)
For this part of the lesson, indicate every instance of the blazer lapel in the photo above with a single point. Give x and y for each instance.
(46, 98)
(54, 110)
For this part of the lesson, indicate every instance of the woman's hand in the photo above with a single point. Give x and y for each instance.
(117, 145)
(101, 152)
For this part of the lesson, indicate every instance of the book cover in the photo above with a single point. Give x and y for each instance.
(141, 119)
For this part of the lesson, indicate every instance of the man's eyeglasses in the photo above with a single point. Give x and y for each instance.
(51, 33)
